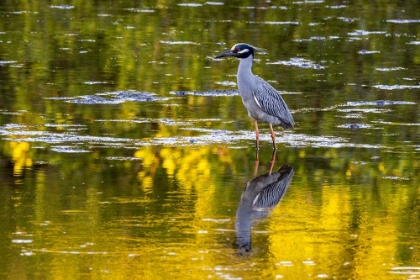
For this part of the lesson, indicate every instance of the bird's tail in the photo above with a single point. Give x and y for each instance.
(287, 125)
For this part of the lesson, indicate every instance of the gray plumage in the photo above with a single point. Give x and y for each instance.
(271, 194)
(272, 103)
(261, 195)
(262, 101)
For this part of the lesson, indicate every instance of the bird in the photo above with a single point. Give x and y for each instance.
(261, 195)
(263, 102)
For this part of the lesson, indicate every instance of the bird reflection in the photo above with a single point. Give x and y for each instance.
(261, 195)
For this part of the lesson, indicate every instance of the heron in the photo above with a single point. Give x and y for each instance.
(261, 195)
(262, 101)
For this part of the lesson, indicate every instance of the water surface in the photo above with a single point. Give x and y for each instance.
(126, 151)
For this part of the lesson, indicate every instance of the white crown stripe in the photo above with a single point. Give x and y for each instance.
(255, 48)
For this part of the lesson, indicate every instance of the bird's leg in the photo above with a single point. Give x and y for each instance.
(273, 136)
(257, 149)
(272, 161)
(257, 155)
(257, 162)
(257, 135)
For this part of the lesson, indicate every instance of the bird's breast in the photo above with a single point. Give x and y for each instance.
(255, 111)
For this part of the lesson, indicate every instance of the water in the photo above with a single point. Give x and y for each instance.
(126, 152)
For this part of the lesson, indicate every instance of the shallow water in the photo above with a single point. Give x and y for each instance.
(126, 151)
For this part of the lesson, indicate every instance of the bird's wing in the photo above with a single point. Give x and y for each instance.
(273, 193)
(271, 102)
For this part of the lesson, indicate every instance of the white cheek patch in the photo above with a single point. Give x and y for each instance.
(244, 51)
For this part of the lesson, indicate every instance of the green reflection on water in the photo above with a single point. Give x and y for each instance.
(150, 189)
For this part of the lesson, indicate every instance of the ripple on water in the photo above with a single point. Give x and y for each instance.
(178, 42)
(218, 221)
(123, 158)
(140, 10)
(227, 83)
(77, 143)
(396, 87)
(253, 8)
(412, 270)
(62, 7)
(355, 126)
(346, 19)
(278, 22)
(190, 4)
(116, 97)
(216, 92)
(390, 69)
(309, 2)
(365, 33)
(309, 262)
(353, 116)
(379, 103)
(215, 3)
(96, 82)
(317, 38)
(68, 149)
(299, 62)
(3, 62)
(397, 178)
(233, 137)
(367, 52)
(396, 123)
(165, 121)
(337, 7)
(365, 110)
(22, 241)
(21, 135)
(403, 21)
(284, 263)
(22, 12)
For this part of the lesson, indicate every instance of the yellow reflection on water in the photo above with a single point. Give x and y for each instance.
(21, 156)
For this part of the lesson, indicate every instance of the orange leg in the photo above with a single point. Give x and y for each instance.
(272, 161)
(257, 135)
(273, 136)
(257, 162)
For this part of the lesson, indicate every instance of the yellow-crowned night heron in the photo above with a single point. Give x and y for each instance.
(262, 101)
(261, 195)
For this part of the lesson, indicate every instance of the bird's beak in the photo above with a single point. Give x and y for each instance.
(226, 53)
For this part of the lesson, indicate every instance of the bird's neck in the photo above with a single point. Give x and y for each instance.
(245, 65)
(245, 77)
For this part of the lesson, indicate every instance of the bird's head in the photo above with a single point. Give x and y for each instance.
(240, 50)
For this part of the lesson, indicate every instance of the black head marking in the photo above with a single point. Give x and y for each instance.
(240, 50)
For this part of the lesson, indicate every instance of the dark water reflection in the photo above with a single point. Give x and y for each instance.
(125, 150)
